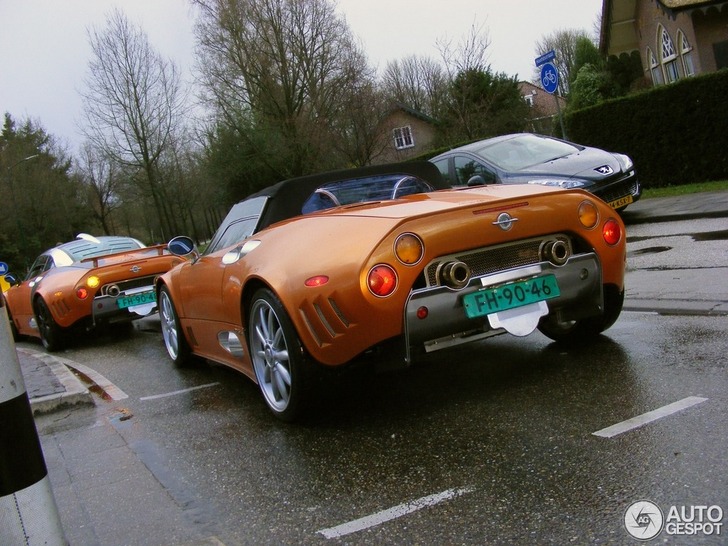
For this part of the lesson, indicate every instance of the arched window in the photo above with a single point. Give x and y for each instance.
(655, 70)
(686, 54)
(668, 55)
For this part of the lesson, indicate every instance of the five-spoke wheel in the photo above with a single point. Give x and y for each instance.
(174, 339)
(277, 356)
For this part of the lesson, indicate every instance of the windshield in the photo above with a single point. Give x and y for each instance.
(239, 224)
(525, 151)
(365, 189)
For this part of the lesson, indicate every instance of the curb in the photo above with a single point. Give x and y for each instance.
(74, 391)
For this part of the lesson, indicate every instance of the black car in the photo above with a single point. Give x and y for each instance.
(526, 158)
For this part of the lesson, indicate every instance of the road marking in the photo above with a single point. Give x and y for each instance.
(183, 391)
(648, 417)
(392, 513)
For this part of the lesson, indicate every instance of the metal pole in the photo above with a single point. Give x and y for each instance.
(28, 511)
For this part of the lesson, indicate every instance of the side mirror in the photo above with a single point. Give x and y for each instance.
(476, 180)
(182, 246)
(11, 279)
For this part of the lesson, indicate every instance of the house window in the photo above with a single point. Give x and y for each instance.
(686, 54)
(668, 56)
(655, 69)
(528, 99)
(403, 138)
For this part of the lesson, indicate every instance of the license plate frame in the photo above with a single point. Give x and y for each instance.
(510, 295)
(140, 298)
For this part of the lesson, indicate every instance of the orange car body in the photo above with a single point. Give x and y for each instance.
(319, 265)
(107, 286)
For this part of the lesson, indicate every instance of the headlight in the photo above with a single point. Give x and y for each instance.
(559, 183)
(625, 162)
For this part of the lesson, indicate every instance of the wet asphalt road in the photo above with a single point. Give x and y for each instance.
(488, 443)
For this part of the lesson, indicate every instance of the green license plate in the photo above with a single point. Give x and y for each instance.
(510, 295)
(136, 299)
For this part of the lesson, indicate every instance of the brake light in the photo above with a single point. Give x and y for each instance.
(82, 293)
(382, 280)
(611, 232)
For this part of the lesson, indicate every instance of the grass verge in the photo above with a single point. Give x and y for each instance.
(686, 189)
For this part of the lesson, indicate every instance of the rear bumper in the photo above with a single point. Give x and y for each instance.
(446, 323)
(106, 308)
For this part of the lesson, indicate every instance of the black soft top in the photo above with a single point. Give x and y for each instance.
(286, 198)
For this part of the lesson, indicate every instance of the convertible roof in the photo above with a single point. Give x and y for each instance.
(286, 199)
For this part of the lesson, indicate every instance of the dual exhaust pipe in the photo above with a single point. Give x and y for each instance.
(456, 274)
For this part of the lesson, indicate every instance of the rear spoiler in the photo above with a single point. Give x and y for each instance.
(95, 260)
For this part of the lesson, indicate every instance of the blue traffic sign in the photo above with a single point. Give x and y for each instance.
(549, 78)
(3, 268)
(546, 57)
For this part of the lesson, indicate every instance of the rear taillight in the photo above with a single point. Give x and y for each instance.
(611, 231)
(382, 280)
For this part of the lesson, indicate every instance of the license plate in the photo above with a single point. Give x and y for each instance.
(136, 299)
(510, 295)
(622, 202)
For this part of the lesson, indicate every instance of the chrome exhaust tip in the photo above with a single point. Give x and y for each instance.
(454, 274)
(557, 252)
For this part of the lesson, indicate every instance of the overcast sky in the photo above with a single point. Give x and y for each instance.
(44, 49)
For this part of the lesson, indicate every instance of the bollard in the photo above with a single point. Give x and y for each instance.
(28, 511)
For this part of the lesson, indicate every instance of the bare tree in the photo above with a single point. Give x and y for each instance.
(133, 104)
(417, 82)
(279, 73)
(102, 179)
(470, 54)
(564, 43)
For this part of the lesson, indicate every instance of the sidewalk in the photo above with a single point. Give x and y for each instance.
(50, 383)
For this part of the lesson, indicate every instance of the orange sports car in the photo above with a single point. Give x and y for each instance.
(389, 263)
(85, 282)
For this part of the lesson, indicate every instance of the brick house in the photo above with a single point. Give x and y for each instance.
(675, 38)
(543, 108)
(409, 133)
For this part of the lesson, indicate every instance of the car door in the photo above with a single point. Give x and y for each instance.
(471, 172)
(18, 297)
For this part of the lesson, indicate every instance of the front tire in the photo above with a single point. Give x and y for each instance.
(582, 331)
(277, 356)
(174, 338)
(51, 335)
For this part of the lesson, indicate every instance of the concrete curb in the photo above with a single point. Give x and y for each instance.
(74, 391)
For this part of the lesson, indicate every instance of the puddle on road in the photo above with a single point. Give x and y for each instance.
(721, 235)
(649, 250)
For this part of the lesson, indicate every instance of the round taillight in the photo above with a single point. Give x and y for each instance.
(93, 281)
(408, 248)
(382, 280)
(588, 214)
(611, 232)
(82, 293)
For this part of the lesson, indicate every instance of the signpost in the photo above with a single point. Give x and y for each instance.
(550, 80)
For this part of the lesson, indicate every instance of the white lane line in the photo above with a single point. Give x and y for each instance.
(392, 513)
(648, 417)
(183, 391)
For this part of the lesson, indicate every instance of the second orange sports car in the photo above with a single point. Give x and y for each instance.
(388, 262)
(85, 282)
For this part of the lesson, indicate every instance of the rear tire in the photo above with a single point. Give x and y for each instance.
(51, 335)
(277, 356)
(578, 332)
(174, 338)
